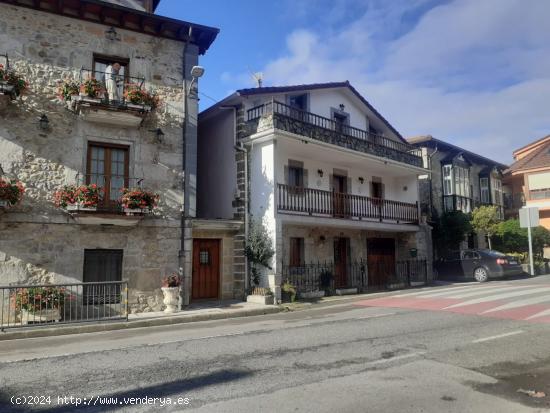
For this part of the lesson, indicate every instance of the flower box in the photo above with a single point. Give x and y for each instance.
(146, 108)
(88, 99)
(80, 207)
(42, 316)
(135, 211)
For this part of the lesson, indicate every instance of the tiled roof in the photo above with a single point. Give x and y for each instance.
(532, 144)
(471, 156)
(316, 86)
(539, 158)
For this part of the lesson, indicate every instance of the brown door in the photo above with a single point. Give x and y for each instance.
(341, 261)
(380, 261)
(339, 185)
(206, 268)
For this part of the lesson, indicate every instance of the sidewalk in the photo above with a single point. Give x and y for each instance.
(196, 312)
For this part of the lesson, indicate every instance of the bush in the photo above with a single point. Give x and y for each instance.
(511, 238)
(259, 249)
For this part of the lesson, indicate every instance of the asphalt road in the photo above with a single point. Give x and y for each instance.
(342, 357)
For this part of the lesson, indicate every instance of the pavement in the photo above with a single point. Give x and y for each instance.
(343, 356)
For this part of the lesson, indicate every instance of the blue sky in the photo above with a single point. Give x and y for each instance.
(474, 73)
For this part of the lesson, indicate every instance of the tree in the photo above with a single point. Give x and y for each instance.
(450, 231)
(485, 219)
(259, 249)
(510, 237)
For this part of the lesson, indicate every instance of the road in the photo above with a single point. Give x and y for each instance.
(427, 350)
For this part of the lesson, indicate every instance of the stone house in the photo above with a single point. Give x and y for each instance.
(330, 179)
(459, 180)
(108, 140)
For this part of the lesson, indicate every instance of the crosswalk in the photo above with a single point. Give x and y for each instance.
(527, 302)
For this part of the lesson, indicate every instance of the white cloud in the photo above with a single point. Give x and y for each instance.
(474, 73)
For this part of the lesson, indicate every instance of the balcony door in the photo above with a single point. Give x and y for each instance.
(108, 169)
(340, 200)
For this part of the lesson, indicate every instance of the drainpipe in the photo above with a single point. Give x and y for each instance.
(241, 148)
(184, 164)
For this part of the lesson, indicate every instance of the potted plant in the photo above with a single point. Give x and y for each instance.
(11, 193)
(171, 291)
(39, 304)
(138, 201)
(68, 92)
(11, 82)
(288, 292)
(91, 90)
(137, 97)
(78, 198)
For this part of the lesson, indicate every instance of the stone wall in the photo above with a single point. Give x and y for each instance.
(39, 242)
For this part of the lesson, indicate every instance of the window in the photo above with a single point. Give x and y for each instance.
(296, 252)
(298, 101)
(101, 266)
(496, 186)
(204, 257)
(295, 176)
(108, 168)
(484, 190)
(447, 180)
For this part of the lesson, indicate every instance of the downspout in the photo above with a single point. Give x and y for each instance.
(184, 162)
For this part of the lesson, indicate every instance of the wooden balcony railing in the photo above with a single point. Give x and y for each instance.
(284, 117)
(340, 205)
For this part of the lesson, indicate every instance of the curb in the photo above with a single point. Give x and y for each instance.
(34, 332)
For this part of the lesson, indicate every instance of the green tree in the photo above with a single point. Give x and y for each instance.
(259, 249)
(485, 219)
(451, 229)
(510, 237)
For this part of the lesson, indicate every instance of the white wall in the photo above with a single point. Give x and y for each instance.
(217, 169)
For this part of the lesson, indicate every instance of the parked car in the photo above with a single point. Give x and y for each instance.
(477, 264)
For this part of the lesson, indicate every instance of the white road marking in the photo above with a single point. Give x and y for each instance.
(511, 333)
(541, 314)
(520, 303)
(497, 297)
(482, 291)
(404, 356)
(435, 291)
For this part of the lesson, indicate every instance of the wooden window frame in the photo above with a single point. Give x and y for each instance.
(107, 163)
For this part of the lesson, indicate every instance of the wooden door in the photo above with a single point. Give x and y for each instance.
(340, 189)
(101, 266)
(380, 261)
(341, 262)
(206, 269)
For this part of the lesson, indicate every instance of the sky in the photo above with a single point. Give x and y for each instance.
(475, 73)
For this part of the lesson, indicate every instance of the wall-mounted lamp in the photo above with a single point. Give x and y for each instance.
(361, 180)
(342, 107)
(111, 34)
(320, 173)
(44, 122)
(159, 134)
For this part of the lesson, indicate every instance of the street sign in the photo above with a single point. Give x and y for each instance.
(529, 217)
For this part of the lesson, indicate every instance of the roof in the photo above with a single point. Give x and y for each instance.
(302, 88)
(539, 158)
(429, 139)
(109, 14)
(534, 143)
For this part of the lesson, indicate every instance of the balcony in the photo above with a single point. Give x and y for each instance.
(538, 194)
(330, 204)
(277, 115)
(89, 98)
(107, 208)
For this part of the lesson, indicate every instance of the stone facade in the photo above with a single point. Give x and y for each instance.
(41, 243)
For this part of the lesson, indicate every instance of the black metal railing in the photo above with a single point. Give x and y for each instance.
(318, 202)
(121, 84)
(514, 201)
(317, 127)
(47, 304)
(364, 275)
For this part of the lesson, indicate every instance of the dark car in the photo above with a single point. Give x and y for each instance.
(477, 264)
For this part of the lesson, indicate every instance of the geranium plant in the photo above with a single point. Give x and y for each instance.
(12, 78)
(36, 299)
(11, 191)
(67, 89)
(91, 87)
(137, 198)
(137, 95)
(172, 280)
(87, 196)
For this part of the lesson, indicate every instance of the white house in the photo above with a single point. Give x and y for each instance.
(333, 182)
